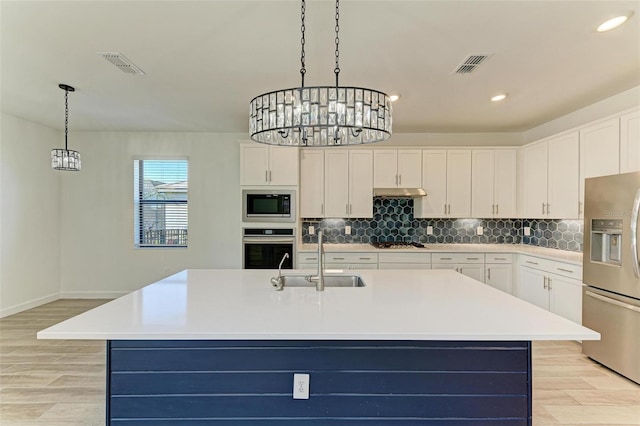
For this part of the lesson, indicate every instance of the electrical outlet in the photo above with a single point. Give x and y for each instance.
(479, 230)
(312, 229)
(347, 230)
(300, 386)
(429, 230)
(527, 231)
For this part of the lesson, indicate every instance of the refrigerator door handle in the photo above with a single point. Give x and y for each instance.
(634, 234)
(612, 301)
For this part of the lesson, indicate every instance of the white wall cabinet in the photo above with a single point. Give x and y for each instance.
(599, 152)
(268, 165)
(311, 194)
(446, 178)
(397, 168)
(554, 286)
(493, 183)
(551, 178)
(630, 142)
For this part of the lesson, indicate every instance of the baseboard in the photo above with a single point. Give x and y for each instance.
(92, 294)
(11, 310)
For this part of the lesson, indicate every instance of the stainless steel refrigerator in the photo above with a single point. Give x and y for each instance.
(611, 271)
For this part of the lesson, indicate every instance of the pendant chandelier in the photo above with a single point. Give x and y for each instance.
(320, 115)
(65, 159)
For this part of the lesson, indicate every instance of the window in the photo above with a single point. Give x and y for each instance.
(160, 199)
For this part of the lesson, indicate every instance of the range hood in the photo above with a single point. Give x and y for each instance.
(399, 192)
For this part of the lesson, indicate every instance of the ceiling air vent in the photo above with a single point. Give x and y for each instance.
(121, 61)
(470, 63)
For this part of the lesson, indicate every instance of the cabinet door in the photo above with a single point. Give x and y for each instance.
(534, 161)
(336, 183)
(311, 183)
(599, 151)
(483, 178)
(385, 168)
(283, 165)
(564, 175)
(532, 287)
(254, 164)
(566, 297)
(361, 183)
(630, 142)
(434, 182)
(409, 168)
(459, 183)
(504, 193)
(474, 271)
(500, 276)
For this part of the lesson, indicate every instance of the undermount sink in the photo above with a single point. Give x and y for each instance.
(329, 281)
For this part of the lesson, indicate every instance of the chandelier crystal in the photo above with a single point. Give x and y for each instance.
(66, 159)
(320, 115)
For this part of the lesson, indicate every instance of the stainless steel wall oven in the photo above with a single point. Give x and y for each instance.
(263, 248)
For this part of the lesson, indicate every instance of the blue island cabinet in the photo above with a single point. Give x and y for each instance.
(382, 383)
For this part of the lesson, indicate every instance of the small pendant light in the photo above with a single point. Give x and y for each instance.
(65, 159)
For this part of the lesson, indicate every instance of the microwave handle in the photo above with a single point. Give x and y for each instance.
(634, 233)
(267, 240)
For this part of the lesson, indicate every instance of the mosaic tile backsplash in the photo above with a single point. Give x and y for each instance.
(393, 221)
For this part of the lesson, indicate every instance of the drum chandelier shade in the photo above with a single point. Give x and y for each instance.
(320, 115)
(66, 159)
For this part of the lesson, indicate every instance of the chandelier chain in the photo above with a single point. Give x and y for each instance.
(303, 69)
(337, 68)
(66, 116)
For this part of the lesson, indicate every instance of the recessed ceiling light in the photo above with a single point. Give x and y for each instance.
(394, 98)
(614, 22)
(499, 97)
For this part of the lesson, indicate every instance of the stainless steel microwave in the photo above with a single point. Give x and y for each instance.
(268, 205)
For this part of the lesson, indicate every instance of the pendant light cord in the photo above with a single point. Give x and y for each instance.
(303, 70)
(337, 68)
(66, 117)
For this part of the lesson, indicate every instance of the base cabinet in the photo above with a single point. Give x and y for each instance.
(559, 293)
(499, 276)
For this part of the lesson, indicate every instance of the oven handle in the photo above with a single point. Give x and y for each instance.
(612, 301)
(634, 233)
(267, 240)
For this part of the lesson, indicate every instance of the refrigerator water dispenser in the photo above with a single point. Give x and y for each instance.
(606, 241)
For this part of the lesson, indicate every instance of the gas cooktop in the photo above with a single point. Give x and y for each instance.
(396, 245)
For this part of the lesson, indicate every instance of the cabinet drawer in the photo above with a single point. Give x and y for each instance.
(499, 258)
(551, 266)
(457, 258)
(416, 257)
(392, 265)
(338, 257)
(329, 267)
(308, 257)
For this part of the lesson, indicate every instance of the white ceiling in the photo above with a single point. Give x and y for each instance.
(205, 60)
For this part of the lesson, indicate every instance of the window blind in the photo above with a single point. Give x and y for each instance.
(161, 203)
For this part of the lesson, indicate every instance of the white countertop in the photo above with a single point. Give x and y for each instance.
(223, 304)
(547, 253)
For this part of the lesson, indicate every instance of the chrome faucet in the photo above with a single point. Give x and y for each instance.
(278, 282)
(319, 277)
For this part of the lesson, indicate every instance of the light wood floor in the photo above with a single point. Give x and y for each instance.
(62, 382)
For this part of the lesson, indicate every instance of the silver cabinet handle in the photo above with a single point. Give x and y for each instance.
(266, 175)
(497, 208)
(549, 283)
(612, 301)
(322, 208)
(488, 273)
(399, 179)
(338, 258)
(501, 258)
(445, 209)
(542, 208)
(269, 175)
(579, 208)
(565, 270)
(445, 258)
(473, 258)
(350, 208)
(449, 212)
(533, 263)
(635, 212)
(365, 258)
(493, 209)
(548, 208)
(544, 282)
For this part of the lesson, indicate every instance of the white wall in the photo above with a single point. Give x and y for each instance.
(609, 106)
(98, 254)
(30, 218)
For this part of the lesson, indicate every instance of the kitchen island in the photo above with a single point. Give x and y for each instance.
(221, 347)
